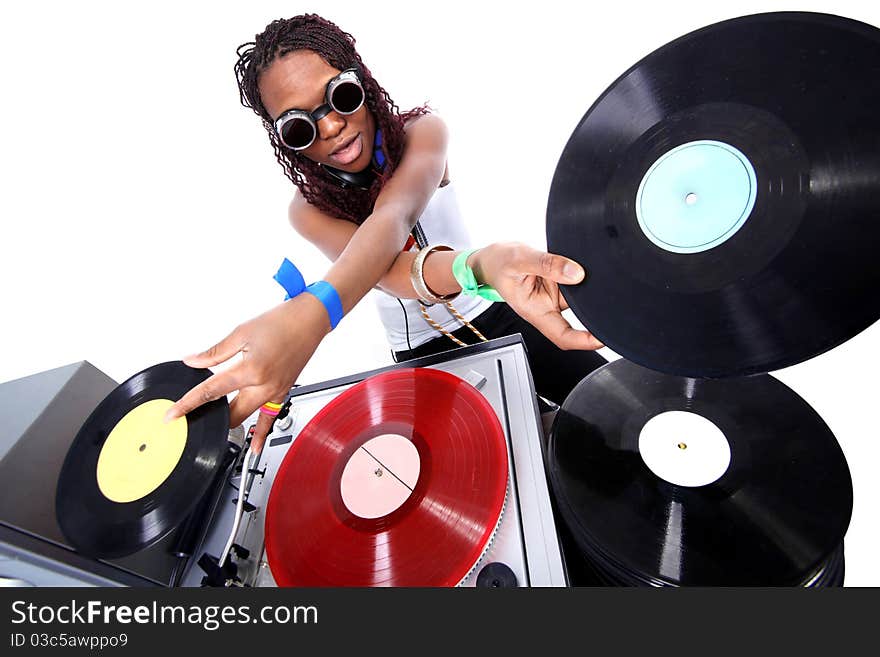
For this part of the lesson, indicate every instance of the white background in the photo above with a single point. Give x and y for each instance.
(143, 212)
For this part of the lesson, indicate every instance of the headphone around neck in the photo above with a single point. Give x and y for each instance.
(359, 179)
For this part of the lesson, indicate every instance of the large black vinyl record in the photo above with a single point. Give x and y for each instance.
(100, 527)
(773, 514)
(723, 196)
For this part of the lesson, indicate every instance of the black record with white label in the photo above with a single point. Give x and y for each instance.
(665, 480)
(723, 196)
(129, 478)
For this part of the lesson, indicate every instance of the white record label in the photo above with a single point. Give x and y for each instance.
(380, 476)
(684, 448)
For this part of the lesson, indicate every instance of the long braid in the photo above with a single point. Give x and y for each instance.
(311, 32)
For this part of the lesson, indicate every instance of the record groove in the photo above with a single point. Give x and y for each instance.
(776, 514)
(440, 531)
(796, 95)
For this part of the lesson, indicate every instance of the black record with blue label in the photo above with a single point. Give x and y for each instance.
(723, 196)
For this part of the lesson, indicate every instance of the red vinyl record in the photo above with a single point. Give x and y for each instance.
(317, 534)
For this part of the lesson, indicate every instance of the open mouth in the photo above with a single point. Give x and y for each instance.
(349, 151)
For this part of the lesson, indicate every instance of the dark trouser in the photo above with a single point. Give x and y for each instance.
(555, 371)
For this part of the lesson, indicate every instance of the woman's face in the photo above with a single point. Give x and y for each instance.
(298, 80)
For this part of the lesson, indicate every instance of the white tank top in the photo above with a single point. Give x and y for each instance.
(441, 223)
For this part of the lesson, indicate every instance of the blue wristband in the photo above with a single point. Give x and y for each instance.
(290, 279)
(327, 295)
(294, 284)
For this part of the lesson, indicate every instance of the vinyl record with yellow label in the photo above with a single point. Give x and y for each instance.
(129, 478)
(141, 452)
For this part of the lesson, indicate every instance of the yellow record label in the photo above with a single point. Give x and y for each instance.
(140, 452)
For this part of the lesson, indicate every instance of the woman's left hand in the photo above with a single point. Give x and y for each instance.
(528, 280)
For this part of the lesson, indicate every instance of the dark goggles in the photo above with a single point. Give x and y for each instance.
(297, 128)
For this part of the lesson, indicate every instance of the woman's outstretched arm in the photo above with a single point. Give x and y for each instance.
(276, 345)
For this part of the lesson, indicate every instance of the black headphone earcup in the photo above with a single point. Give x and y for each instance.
(359, 179)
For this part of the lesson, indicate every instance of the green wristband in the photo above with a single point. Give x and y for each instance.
(465, 277)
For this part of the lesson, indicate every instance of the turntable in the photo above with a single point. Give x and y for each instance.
(42, 415)
(157, 539)
(523, 547)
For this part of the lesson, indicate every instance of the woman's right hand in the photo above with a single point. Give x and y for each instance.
(275, 346)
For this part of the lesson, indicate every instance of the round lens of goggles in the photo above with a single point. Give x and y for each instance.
(297, 132)
(347, 97)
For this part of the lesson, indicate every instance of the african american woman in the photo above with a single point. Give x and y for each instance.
(374, 195)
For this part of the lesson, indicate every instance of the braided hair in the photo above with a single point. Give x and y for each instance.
(311, 32)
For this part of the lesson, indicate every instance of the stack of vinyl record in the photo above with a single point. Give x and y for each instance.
(723, 196)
